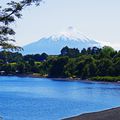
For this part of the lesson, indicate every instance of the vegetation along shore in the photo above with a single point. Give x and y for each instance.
(99, 64)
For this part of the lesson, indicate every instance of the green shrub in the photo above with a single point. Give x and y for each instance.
(106, 78)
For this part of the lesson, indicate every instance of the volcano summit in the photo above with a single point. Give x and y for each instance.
(54, 43)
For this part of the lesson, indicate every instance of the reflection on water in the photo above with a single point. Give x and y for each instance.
(46, 99)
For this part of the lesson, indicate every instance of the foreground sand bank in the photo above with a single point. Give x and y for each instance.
(111, 114)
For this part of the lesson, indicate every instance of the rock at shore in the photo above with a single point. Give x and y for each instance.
(111, 114)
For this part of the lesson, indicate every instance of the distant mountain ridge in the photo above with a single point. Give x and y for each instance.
(54, 43)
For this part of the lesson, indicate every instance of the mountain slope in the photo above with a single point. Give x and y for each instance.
(54, 43)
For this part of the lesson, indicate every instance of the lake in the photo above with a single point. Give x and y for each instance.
(24, 98)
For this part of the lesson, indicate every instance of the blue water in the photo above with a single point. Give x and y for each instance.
(45, 99)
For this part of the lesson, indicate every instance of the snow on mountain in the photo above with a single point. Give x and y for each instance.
(54, 43)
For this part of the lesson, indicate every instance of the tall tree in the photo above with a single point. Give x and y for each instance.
(107, 52)
(8, 15)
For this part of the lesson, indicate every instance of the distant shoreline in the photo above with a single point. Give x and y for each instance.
(60, 79)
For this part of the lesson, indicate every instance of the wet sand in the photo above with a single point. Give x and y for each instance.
(111, 114)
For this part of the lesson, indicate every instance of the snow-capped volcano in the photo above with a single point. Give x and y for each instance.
(70, 34)
(54, 43)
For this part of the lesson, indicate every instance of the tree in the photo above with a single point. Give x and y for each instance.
(8, 15)
(104, 67)
(117, 66)
(70, 68)
(107, 51)
(83, 51)
(86, 67)
(79, 68)
(9, 57)
(95, 50)
(41, 57)
(57, 69)
(71, 52)
(91, 51)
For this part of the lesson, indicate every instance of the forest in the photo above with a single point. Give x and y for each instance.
(102, 64)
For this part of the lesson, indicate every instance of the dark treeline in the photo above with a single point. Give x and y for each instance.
(71, 63)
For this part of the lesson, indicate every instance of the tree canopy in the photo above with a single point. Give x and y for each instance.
(71, 63)
(8, 15)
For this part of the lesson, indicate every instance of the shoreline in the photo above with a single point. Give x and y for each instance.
(110, 114)
(60, 79)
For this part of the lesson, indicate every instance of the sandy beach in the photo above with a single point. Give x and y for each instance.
(111, 114)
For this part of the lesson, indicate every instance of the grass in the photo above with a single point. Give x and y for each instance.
(106, 78)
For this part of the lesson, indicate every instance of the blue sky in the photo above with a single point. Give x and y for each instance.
(97, 19)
